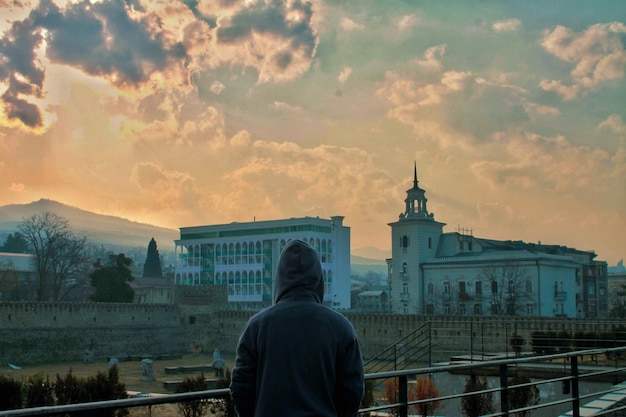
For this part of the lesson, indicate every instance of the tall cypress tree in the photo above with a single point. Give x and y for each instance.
(152, 266)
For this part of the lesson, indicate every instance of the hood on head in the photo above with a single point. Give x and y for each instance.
(299, 271)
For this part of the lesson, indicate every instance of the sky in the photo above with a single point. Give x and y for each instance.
(187, 113)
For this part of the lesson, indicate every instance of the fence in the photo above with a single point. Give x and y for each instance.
(538, 366)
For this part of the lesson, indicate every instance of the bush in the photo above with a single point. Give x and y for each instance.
(223, 407)
(520, 397)
(104, 387)
(70, 390)
(477, 404)
(11, 391)
(194, 408)
(37, 391)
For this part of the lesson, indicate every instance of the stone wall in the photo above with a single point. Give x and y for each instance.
(41, 332)
(32, 332)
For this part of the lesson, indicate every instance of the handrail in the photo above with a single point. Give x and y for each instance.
(403, 375)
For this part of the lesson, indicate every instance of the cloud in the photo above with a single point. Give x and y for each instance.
(140, 46)
(275, 38)
(407, 21)
(344, 75)
(350, 25)
(508, 25)
(614, 122)
(567, 92)
(597, 54)
(217, 87)
(432, 58)
(17, 187)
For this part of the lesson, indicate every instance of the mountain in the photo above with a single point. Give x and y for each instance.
(100, 229)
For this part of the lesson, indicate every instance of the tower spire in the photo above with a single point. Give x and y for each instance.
(414, 174)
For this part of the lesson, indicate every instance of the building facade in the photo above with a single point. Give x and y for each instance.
(432, 272)
(244, 257)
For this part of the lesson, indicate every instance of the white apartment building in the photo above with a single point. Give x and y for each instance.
(244, 257)
(432, 272)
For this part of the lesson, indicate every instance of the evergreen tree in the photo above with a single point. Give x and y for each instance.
(111, 281)
(15, 243)
(152, 266)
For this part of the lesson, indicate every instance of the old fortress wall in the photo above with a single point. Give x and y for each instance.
(33, 332)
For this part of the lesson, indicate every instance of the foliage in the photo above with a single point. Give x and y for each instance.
(11, 390)
(152, 266)
(103, 387)
(15, 243)
(520, 397)
(550, 342)
(70, 389)
(111, 281)
(37, 391)
(194, 408)
(477, 404)
(516, 343)
(60, 254)
(223, 407)
(425, 389)
(392, 396)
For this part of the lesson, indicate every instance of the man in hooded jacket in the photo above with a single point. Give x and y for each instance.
(298, 357)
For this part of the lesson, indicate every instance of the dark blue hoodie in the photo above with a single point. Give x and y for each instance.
(298, 357)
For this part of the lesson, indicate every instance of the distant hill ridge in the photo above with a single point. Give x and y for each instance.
(99, 228)
(112, 230)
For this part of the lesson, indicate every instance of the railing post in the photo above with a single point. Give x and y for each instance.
(575, 392)
(504, 393)
(403, 396)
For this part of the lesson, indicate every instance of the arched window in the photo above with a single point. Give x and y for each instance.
(529, 287)
(404, 241)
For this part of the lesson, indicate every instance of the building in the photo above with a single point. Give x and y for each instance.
(150, 290)
(17, 273)
(432, 272)
(244, 256)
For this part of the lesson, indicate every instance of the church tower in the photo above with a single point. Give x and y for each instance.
(414, 240)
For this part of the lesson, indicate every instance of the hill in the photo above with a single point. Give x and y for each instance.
(100, 229)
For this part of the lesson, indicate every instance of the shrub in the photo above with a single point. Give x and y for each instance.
(223, 407)
(520, 397)
(37, 391)
(104, 387)
(477, 404)
(11, 391)
(194, 408)
(425, 389)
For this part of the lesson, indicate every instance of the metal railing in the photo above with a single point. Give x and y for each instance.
(571, 370)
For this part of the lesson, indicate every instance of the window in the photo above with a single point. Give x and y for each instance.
(479, 287)
(462, 310)
(478, 309)
(405, 288)
(405, 241)
(430, 243)
(494, 287)
(430, 309)
(446, 287)
(431, 288)
(530, 309)
(529, 287)
(405, 269)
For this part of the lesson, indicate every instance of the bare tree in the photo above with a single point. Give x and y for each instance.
(508, 287)
(59, 254)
